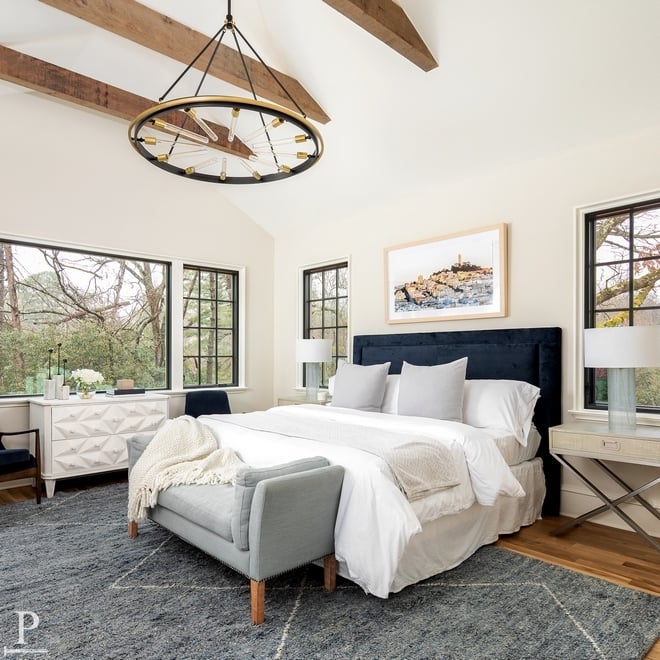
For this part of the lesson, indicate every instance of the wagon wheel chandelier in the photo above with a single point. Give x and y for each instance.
(226, 139)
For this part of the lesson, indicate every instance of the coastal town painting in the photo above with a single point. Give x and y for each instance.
(459, 276)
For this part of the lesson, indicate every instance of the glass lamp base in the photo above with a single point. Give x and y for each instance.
(621, 400)
(312, 380)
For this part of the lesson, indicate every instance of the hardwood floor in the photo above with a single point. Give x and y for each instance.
(611, 554)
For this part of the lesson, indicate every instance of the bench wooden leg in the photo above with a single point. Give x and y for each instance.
(329, 572)
(257, 600)
(132, 529)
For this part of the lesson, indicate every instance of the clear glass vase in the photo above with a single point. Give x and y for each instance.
(85, 392)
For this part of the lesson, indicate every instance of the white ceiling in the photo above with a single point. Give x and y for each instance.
(517, 80)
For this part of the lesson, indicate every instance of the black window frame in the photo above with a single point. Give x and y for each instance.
(234, 274)
(325, 330)
(590, 278)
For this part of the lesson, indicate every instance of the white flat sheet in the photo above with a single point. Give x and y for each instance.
(375, 522)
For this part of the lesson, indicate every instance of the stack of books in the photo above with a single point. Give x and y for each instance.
(132, 390)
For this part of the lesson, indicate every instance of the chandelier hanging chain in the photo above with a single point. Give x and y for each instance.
(219, 34)
(270, 71)
(222, 33)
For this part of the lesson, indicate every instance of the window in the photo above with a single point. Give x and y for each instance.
(325, 311)
(210, 327)
(68, 309)
(622, 287)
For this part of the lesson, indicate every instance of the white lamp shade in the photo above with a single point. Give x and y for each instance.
(622, 347)
(313, 350)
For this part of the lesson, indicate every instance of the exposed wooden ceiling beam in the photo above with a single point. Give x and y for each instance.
(385, 20)
(149, 28)
(47, 78)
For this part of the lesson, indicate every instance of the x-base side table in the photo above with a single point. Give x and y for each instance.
(595, 442)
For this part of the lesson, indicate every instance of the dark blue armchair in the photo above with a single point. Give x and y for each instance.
(21, 463)
(207, 402)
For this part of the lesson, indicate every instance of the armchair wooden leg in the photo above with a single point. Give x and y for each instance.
(132, 529)
(329, 573)
(257, 599)
(37, 487)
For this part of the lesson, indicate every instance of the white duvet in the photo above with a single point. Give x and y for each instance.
(375, 521)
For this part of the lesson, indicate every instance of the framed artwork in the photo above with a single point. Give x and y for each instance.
(458, 276)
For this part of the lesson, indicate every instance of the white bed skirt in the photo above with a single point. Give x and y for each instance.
(450, 540)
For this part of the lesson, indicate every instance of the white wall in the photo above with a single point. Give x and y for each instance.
(70, 175)
(537, 199)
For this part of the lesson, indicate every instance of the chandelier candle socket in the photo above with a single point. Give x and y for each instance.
(237, 140)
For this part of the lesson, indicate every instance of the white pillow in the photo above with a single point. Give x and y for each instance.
(501, 404)
(360, 386)
(391, 397)
(435, 391)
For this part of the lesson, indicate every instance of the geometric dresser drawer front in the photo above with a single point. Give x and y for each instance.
(86, 420)
(89, 454)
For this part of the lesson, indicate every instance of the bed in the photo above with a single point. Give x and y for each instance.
(395, 527)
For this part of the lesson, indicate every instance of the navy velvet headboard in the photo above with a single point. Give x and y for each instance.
(529, 354)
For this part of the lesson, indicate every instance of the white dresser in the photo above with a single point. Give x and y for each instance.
(85, 437)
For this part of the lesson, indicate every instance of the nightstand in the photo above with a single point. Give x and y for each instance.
(595, 442)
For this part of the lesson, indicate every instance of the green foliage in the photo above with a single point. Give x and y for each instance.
(88, 346)
(106, 314)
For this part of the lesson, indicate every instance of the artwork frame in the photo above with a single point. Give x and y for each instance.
(423, 284)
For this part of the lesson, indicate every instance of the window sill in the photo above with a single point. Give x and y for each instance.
(643, 419)
(21, 401)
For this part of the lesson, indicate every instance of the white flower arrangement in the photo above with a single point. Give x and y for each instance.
(86, 379)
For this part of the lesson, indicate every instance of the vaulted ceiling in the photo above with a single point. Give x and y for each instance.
(407, 95)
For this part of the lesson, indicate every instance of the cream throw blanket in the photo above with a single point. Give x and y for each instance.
(183, 451)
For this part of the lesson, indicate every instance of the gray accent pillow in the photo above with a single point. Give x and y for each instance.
(247, 479)
(360, 386)
(434, 391)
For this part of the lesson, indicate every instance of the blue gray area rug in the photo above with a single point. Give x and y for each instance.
(73, 585)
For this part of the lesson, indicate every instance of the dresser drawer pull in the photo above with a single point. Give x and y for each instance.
(611, 445)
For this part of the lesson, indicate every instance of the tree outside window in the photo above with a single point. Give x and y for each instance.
(210, 327)
(325, 311)
(623, 287)
(97, 311)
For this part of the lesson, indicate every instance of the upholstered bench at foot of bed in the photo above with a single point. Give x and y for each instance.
(273, 520)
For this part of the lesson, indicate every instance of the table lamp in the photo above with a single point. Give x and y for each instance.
(620, 350)
(312, 352)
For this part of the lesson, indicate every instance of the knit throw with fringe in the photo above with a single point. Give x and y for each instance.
(183, 451)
